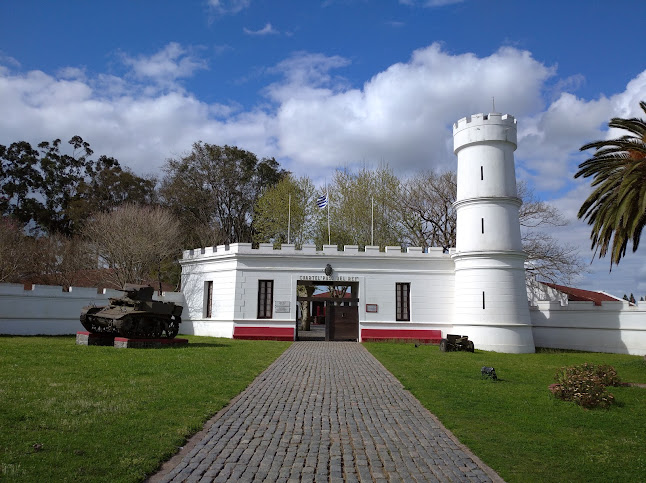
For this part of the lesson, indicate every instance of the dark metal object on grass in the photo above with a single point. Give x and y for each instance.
(134, 315)
(456, 343)
(489, 372)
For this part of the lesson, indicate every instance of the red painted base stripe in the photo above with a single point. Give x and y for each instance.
(376, 335)
(163, 341)
(263, 333)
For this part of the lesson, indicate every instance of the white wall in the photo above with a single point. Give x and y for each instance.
(47, 310)
(240, 267)
(613, 327)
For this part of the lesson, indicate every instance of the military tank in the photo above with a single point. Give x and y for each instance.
(134, 315)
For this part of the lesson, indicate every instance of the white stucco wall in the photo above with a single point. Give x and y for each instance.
(239, 267)
(613, 327)
(47, 310)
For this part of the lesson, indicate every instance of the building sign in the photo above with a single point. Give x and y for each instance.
(325, 278)
(281, 306)
(372, 308)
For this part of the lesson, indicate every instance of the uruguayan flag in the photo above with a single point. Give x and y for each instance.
(321, 201)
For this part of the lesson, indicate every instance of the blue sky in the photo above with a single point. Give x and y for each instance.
(321, 85)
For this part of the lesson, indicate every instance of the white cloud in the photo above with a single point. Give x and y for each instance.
(549, 141)
(228, 7)
(266, 30)
(401, 115)
(169, 64)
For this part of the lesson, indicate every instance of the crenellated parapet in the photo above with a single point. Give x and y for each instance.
(267, 249)
(57, 291)
(480, 128)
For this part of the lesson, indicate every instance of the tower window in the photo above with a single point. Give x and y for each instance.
(482, 223)
(481, 173)
(483, 300)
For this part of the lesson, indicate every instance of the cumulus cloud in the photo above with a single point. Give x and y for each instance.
(266, 30)
(403, 114)
(549, 141)
(169, 64)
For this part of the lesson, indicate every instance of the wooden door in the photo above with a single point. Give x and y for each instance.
(344, 322)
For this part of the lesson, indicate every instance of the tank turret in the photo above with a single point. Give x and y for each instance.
(134, 315)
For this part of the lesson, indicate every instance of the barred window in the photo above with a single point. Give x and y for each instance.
(402, 301)
(265, 298)
(208, 306)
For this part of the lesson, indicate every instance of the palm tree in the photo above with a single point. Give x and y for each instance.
(616, 209)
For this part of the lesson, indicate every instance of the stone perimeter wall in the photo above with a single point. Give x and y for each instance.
(48, 310)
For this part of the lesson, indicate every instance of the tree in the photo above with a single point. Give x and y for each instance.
(61, 260)
(50, 192)
(429, 220)
(134, 242)
(351, 197)
(273, 212)
(426, 209)
(213, 190)
(19, 180)
(547, 258)
(108, 185)
(616, 208)
(14, 246)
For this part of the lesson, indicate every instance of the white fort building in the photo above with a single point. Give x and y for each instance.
(477, 289)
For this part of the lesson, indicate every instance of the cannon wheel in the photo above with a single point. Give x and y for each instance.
(444, 345)
(470, 346)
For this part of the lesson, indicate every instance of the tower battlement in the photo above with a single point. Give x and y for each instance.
(484, 128)
(475, 120)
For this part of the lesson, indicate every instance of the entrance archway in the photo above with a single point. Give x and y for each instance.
(328, 310)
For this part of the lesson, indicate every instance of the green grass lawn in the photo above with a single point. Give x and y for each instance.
(105, 414)
(515, 425)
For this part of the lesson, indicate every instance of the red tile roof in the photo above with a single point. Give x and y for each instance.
(580, 295)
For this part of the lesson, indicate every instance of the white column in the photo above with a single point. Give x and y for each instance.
(490, 295)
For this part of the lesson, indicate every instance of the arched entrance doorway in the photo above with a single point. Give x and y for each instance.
(327, 310)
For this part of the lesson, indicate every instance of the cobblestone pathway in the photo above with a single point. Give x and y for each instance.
(325, 411)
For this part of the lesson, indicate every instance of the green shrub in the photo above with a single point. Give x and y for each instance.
(586, 384)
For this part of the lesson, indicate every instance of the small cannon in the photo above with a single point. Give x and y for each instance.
(456, 343)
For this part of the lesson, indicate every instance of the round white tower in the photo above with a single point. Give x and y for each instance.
(490, 295)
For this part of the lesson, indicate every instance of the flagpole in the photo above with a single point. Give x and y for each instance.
(328, 215)
(372, 223)
(289, 217)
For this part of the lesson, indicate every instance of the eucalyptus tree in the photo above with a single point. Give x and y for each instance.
(51, 191)
(213, 190)
(616, 208)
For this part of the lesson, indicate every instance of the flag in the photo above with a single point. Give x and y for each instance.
(321, 201)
